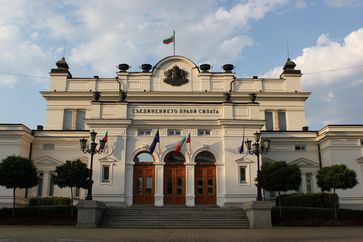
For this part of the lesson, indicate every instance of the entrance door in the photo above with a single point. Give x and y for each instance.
(205, 178)
(144, 184)
(174, 179)
(174, 184)
(205, 184)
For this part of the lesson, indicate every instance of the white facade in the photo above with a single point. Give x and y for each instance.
(214, 107)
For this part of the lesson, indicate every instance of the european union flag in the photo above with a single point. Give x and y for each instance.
(155, 141)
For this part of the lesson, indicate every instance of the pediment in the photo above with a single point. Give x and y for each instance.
(47, 161)
(244, 159)
(107, 159)
(303, 162)
(360, 160)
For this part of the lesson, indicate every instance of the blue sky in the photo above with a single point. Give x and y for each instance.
(323, 35)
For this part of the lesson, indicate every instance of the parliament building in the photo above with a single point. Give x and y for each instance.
(217, 111)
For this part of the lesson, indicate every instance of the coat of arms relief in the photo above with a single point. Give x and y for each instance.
(176, 76)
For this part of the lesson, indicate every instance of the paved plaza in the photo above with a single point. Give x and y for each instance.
(63, 234)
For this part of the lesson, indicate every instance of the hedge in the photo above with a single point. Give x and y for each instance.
(299, 216)
(36, 212)
(45, 201)
(321, 200)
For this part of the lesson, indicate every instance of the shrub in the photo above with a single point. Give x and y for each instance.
(299, 216)
(36, 212)
(46, 201)
(320, 200)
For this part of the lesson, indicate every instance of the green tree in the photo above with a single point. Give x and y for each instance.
(279, 176)
(17, 172)
(336, 177)
(72, 174)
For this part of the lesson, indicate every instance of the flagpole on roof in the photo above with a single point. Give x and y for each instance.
(174, 41)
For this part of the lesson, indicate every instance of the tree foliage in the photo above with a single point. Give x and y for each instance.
(72, 174)
(17, 172)
(279, 176)
(336, 177)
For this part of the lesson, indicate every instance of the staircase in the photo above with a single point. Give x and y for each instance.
(174, 217)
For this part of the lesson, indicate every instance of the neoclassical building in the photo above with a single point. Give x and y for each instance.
(177, 97)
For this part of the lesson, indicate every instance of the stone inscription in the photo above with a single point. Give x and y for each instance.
(174, 111)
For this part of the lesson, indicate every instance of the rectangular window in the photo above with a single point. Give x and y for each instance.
(309, 182)
(282, 120)
(204, 132)
(200, 185)
(210, 185)
(174, 132)
(51, 185)
(242, 174)
(179, 185)
(48, 146)
(77, 192)
(40, 184)
(144, 132)
(106, 173)
(67, 119)
(300, 147)
(81, 115)
(269, 121)
(149, 185)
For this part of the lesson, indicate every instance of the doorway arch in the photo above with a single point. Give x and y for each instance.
(144, 178)
(174, 178)
(205, 178)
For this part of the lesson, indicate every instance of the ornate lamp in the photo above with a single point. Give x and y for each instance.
(258, 148)
(91, 149)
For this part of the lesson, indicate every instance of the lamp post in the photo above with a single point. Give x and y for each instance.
(258, 148)
(91, 149)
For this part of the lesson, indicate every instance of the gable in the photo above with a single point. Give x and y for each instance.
(303, 162)
(47, 161)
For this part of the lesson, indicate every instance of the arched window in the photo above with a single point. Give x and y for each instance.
(144, 157)
(172, 158)
(205, 157)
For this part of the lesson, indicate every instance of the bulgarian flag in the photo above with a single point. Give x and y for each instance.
(106, 137)
(169, 39)
(180, 144)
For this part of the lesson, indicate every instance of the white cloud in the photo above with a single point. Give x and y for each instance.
(333, 65)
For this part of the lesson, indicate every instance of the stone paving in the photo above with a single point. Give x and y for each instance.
(64, 234)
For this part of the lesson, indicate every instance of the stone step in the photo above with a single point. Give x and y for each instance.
(174, 217)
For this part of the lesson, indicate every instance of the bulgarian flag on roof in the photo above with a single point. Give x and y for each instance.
(180, 144)
(105, 138)
(169, 40)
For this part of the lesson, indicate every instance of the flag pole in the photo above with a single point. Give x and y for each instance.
(174, 41)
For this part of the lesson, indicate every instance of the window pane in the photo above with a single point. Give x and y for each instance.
(139, 185)
(51, 186)
(169, 185)
(40, 184)
(242, 175)
(200, 185)
(179, 185)
(105, 173)
(210, 185)
(149, 184)
(67, 120)
(81, 115)
(269, 121)
(174, 132)
(78, 192)
(309, 185)
(144, 157)
(144, 132)
(205, 156)
(282, 120)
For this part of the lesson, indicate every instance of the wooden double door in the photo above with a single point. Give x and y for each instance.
(174, 184)
(144, 184)
(205, 184)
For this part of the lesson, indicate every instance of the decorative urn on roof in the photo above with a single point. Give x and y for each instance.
(146, 67)
(205, 67)
(228, 68)
(124, 67)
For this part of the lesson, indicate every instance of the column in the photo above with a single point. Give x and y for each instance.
(159, 184)
(190, 193)
(129, 183)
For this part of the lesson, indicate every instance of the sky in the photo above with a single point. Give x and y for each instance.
(325, 39)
